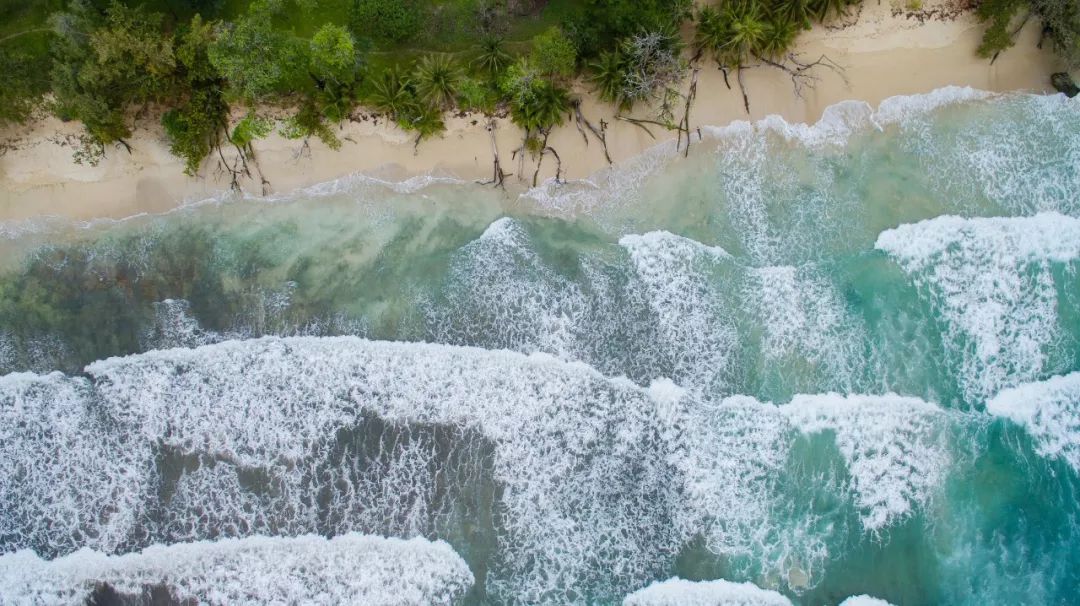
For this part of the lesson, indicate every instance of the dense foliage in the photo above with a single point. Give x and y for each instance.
(209, 66)
(1060, 22)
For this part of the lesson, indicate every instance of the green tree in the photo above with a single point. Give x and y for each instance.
(23, 86)
(132, 49)
(536, 102)
(308, 121)
(253, 56)
(1061, 18)
(197, 126)
(391, 93)
(333, 55)
(999, 14)
(195, 129)
(554, 54)
(436, 78)
(491, 56)
(599, 25)
(608, 74)
(388, 20)
(779, 36)
(104, 63)
(476, 95)
(733, 33)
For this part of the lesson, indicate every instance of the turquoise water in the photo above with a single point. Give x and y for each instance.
(831, 361)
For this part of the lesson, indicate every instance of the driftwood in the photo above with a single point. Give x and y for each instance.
(641, 122)
(600, 134)
(684, 124)
(801, 75)
(742, 88)
(497, 175)
(540, 160)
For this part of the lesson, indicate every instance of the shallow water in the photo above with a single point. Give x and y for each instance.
(831, 361)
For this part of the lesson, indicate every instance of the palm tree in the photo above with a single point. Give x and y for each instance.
(609, 77)
(779, 36)
(821, 8)
(544, 108)
(748, 29)
(797, 11)
(391, 94)
(712, 33)
(436, 78)
(491, 56)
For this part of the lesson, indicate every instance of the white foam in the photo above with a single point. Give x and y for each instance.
(837, 124)
(68, 480)
(578, 456)
(173, 326)
(351, 568)
(805, 321)
(843, 119)
(504, 296)
(697, 333)
(894, 110)
(618, 185)
(679, 592)
(864, 600)
(991, 281)
(896, 454)
(1050, 411)
(734, 452)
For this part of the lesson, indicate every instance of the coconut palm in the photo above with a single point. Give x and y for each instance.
(436, 78)
(748, 29)
(822, 8)
(712, 33)
(544, 108)
(779, 36)
(491, 56)
(796, 11)
(391, 93)
(609, 72)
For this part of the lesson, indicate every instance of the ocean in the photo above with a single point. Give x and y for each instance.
(801, 364)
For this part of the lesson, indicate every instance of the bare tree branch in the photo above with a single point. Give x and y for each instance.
(802, 76)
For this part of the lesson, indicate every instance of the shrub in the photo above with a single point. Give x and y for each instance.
(554, 54)
(388, 20)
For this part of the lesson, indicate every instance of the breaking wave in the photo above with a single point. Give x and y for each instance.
(350, 568)
(1049, 411)
(677, 592)
(994, 282)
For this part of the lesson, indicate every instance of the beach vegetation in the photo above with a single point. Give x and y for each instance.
(1005, 18)
(491, 56)
(536, 103)
(197, 63)
(554, 54)
(392, 21)
(437, 78)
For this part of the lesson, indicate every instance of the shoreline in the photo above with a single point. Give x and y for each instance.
(883, 54)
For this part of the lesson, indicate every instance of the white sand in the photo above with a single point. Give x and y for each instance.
(882, 55)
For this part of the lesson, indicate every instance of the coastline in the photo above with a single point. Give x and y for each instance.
(883, 55)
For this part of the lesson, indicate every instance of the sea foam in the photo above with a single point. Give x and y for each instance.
(1050, 411)
(350, 568)
(678, 592)
(569, 444)
(992, 281)
(700, 337)
(896, 455)
(232, 439)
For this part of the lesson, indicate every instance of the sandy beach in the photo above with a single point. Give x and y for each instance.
(884, 51)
